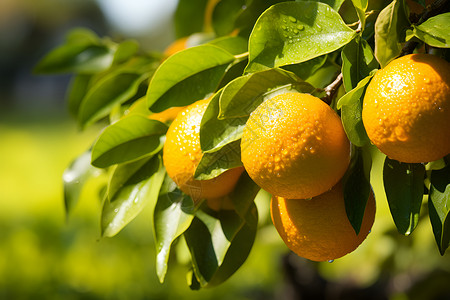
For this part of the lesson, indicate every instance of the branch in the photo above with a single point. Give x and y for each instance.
(332, 88)
(435, 8)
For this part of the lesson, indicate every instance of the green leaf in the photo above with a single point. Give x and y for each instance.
(306, 69)
(390, 29)
(219, 243)
(233, 44)
(215, 163)
(215, 133)
(189, 17)
(75, 177)
(369, 30)
(125, 51)
(351, 113)
(237, 252)
(433, 31)
(361, 7)
(242, 95)
(243, 195)
(77, 59)
(334, 4)
(83, 52)
(250, 14)
(187, 76)
(439, 207)
(357, 187)
(122, 174)
(358, 62)
(131, 138)
(323, 75)
(139, 107)
(357, 92)
(113, 89)
(82, 36)
(78, 89)
(225, 14)
(208, 242)
(294, 32)
(235, 70)
(404, 187)
(193, 283)
(173, 215)
(437, 164)
(139, 190)
(236, 45)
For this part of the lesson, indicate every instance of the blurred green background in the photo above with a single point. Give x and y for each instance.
(46, 255)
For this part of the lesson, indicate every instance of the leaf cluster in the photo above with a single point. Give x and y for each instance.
(258, 49)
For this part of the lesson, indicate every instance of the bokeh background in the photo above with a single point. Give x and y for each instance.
(46, 255)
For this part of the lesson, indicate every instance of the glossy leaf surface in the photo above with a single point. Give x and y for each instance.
(187, 76)
(390, 32)
(173, 215)
(139, 190)
(404, 187)
(294, 32)
(439, 207)
(128, 139)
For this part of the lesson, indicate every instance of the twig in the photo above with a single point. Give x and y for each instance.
(332, 88)
(435, 8)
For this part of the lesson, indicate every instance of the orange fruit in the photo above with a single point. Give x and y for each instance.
(167, 115)
(176, 46)
(319, 229)
(182, 153)
(294, 146)
(406, 109)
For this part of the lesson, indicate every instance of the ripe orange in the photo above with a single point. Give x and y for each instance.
(406, 109)
(176, 46)
(167, 115)
(319, 229)
(182, 153)
(294, 146)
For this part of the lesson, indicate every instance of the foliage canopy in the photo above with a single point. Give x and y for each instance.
(250, 51)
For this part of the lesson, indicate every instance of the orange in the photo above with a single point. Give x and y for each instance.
(176, 46)
(294, 146)
(319, 229)
(406, 109)
(167, 115)
(182, 153)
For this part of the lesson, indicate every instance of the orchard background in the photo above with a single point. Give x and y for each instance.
(47, 253)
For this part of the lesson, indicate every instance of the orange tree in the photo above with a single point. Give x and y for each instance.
(240, 54)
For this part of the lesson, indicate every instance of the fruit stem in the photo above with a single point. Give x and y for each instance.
(331, 89)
